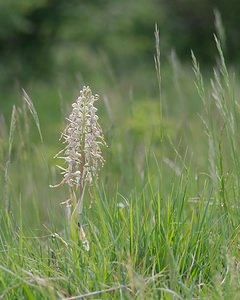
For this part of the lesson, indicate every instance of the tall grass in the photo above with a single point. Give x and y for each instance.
(162, 226)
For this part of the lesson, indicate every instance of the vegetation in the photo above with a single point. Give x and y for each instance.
(44, 39)
(164, 223)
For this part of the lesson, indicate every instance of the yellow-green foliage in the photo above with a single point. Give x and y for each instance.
(145, 125)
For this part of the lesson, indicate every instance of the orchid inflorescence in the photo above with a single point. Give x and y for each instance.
(83, 136)
(82, 154)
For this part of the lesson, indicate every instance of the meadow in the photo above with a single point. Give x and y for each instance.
(164, 221)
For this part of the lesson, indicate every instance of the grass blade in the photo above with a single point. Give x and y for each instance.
(33, 112)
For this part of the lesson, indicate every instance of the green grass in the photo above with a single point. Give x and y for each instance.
(165, 220)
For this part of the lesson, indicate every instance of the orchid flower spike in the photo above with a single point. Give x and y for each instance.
(83, 137)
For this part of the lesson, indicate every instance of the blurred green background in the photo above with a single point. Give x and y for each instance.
(55, 39)
(51, 48)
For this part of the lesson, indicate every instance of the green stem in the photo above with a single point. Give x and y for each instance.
(80, 204)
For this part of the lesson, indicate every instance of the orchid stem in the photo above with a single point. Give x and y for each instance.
(80, 204)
